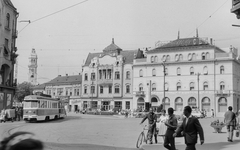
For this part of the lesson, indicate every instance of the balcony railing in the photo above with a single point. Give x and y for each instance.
(140, 93)
(222, 93)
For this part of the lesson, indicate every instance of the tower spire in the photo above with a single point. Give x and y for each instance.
(112, 40)
(178, 34)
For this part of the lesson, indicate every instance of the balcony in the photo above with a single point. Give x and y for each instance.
(105, 82)
(221, 93)
(140, 93)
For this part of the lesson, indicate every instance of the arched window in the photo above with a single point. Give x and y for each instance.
(8, 20)
(176, 57)
(222, 70)
(168, 58)
(207, 55)
(222, 104)
(205, 86)
(180, 57)
(156, 59)
(166, 71)
(192, 102)
(189, 56)
(164, 57)
(152, 59)
(203, 56)
(154, 72)
(128, 75)
(127, 88)
(140, 87)
(166, 86)
(117, 75)
(194, 56)
(116, 89)
(206, 104)
(178, 71)
(205, 70)
(85, 76)
(140, 73)
(222, 85)
(101, 89)
(85, 89)
(191, 86)
(154, 87)
(191, 71)
(166, 103)
(179, 104)
(179, 86)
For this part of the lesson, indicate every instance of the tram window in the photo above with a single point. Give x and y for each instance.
(30, 104)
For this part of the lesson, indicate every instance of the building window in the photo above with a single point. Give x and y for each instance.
(205, 70)
(59, 91)
(178, 86)
(128, 75)
(180, 57)
(152, 59)
(222, 70)
(176, 57)
(178, 71)
(141, 87)
(154, 72)
(205, 86)
(191, 86)
(101, 89)
(140, 73)
(154, 87)
(128, 89)
(191, 71)
(168, 58)
(85, 76)
(166, 86)
(8, 21)
(127, 105)
(189, 56)
(85, 89)
(207, 55)
(110, 89)
(222, 85)
(117, 75)
(193, 56)
(156, 59)
(117, 89)
(203, 56)
(164, 58)
(78, 93)
(93, 76)
(92, 89)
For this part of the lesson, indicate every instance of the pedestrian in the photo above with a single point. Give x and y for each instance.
(230, 121)
(171, 123)
(212, 113)
(190, 128)
(3, 115)
(152, 119)
(21, 141)
(162, 128)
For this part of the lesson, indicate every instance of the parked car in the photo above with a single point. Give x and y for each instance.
(197, 114)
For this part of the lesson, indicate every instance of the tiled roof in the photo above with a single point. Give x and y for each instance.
(65, 80)
(111, 47)
(188, 43)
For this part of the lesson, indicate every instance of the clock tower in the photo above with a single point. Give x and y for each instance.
(32, 75)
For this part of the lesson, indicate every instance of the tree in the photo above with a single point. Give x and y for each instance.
(23, 89)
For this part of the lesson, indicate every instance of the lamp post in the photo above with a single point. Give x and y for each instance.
(92, 95)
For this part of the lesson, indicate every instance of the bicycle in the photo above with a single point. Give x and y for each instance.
(142, 138)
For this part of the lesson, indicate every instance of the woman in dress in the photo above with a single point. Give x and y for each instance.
(161, 124)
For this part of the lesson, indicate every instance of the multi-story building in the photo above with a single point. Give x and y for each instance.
(66, 88)
(32, 74)
(188, 71)
(8, 35)
(107, 78)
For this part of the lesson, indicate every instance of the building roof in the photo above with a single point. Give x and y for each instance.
(185, 43)
(8, 2)
(39, 87)
(111, 47)
(65, 80)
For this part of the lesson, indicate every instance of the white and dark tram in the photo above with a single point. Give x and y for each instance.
(38, 108)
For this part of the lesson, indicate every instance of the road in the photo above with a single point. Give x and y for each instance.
(91, 132)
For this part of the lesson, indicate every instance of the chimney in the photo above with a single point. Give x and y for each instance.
(211, 41)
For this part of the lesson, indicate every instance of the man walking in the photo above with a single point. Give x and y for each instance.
(230, 121)
(152, 119)
(189, 129)
(171, 124)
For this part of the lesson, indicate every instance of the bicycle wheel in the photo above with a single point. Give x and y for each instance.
(140, 140)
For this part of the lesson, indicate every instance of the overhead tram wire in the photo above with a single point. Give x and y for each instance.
(209, 16)
(52, 14)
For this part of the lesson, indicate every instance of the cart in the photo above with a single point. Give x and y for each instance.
(9, 115)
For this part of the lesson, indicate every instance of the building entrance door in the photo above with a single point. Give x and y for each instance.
(105, 105)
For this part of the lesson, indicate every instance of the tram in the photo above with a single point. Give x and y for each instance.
(38, 108)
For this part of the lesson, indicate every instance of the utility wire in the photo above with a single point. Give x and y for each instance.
(53, 14)
(209, 16)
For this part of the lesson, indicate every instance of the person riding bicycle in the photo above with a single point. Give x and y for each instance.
(152, 119)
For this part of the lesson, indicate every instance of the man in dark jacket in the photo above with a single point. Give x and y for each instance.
(190, 128)
(230, 121)
(152, 119)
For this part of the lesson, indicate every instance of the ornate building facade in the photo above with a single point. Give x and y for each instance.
(107, 78)
(8, 35)
(32, 74)
(188, 71)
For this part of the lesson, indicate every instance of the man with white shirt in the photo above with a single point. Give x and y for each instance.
(190, 128)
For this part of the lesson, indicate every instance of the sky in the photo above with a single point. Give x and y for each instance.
(64, 32)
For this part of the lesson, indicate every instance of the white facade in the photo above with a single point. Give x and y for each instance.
(196, 74)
